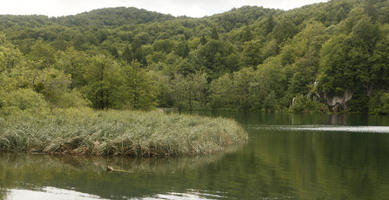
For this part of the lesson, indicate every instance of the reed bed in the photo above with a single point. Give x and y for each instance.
(119, 133)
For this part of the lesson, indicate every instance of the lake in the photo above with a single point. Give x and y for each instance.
(310, 156)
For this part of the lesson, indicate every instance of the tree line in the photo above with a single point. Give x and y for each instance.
(249, 58)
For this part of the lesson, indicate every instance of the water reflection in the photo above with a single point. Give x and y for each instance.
(303, 119)
(322, 165)
(63, 194)
(189, 195)
(23, 174)
(277, 163)
(48, 193)
(344, 129)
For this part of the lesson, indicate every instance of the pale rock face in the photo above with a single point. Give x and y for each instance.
(336, 102)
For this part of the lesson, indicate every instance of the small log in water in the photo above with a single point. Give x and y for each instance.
(111, 169)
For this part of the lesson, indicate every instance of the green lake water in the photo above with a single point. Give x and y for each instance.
(287, 157)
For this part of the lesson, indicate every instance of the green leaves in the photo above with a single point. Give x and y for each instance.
(248, 58)
(284, 30)
(190, 91)
(103, 80)
(22, 100)
(139, 92)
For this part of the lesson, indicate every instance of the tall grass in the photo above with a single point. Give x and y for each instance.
(124, 133)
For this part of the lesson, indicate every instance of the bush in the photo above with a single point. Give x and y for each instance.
(23, 100)
(379, 103)
(304, 104)
(72, 99)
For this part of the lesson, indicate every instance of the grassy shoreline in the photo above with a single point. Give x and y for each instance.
(119, 133)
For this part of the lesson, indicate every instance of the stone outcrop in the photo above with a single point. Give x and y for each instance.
(339, 103)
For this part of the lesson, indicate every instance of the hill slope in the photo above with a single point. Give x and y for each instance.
(321, 57)
(113, 17)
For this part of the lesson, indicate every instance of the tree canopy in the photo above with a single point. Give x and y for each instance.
(250, 58)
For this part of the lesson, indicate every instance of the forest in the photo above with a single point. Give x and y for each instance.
(325, 57)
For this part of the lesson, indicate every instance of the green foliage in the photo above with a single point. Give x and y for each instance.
(384, 108)
(248, 89)
(235, 92)
(103, 85)
(42, 54)
(73, 62)
(349, 63)
(163, 45)
(182, 49)
(72, 99)
(138, 86)
(379, 73)
(284, 30)
(379, 103)
(252, 53)
(223, 96)
(249, 58)
(333, 58)
(22, 100)
(190, 91)
(163, 89)
(52, 84)
(9, 55)
(304, 104)
(113, 17)
(216, 57)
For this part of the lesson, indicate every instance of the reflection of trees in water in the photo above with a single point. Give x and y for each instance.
(137, 177)
(303, 118)
(317, 165)
(275, 164)
(3, 192)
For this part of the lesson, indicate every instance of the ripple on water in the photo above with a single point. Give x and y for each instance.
(189, 195)
(358, 129)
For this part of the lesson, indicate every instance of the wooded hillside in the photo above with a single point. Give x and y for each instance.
(324, 57)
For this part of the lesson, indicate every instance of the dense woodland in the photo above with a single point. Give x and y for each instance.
(323, 57)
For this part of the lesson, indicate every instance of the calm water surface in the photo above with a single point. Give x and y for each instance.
(287, 157)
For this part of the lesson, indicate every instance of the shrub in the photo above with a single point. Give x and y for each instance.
(379, 103)
(23, 100)
(72, 99)
(305, 104)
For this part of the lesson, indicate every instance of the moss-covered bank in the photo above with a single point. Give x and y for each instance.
(124, 133)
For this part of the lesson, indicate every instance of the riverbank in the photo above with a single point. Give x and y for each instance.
(119, 133)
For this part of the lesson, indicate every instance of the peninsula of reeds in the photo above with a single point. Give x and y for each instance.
(118, 133)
